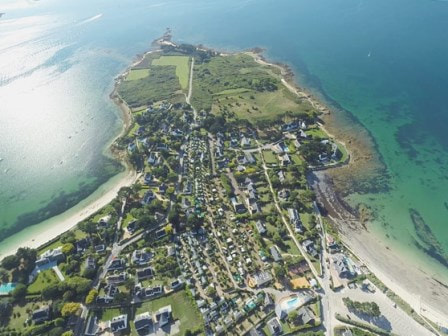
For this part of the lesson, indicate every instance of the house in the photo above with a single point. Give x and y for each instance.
(148, 179)
(332, 245)
(162, 147)
(140, 257)
(119, 323)
(274, 326)
(164, 315)
(132, 226)
(177, 133)
(283, 194)
(261, 228)
(109, 294)
(144, 324)
(305, 316)
(343, 266)
(132, 147)
(309, 247)
(116, 264)
(163, 188)
(90, 263)
(100, 248)
(288, 127)
(281, 176)
(148, 197)
(233, 142)
(245, 142)
(250, 159)
(295, 220)
(275, 252)
(116, 279)
(140, 131)
(176, 284)
(237, 206)
(41, 315)
(262, 278)
(145, 273)
(284, 159)
(92, 328)
(153, 159)
(82, 245)
(53, 255)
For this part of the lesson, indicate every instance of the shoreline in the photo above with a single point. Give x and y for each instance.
(39, 234)
(34, 237)
(388, 267)
(365, 245)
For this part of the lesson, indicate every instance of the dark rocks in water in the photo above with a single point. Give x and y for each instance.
(446, 205)
(426, 236)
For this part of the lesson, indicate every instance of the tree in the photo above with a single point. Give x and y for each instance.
(68, 333)
(70, 308)
(292, 316)
(211, 291)
(19, 292)
(68, 248)
(279, 271)
(91, 296)
(10, 262)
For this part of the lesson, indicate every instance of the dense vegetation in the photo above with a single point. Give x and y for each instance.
(368, 308)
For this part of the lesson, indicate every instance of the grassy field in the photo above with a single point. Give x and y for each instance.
(182, 309)
(317, 133)
(135, 74)
(160, 84)
(43, 280)
(182, 64)
(108, 314)
(269, 157)
(238, 86)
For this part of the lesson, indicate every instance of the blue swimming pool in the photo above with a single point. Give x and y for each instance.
(7, 288)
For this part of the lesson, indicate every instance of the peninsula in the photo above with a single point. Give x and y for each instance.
(222, 232)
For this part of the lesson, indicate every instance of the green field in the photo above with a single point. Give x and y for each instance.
(182, 65)
(43, 280)
(135, 74)
(239, 87)
(269, 157)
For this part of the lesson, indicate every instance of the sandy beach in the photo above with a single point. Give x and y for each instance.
(424, 294)
(41, 233)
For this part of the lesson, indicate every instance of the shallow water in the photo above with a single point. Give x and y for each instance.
(384, 61)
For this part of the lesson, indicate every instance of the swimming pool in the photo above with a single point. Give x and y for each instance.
(7, 288)
(290, 303)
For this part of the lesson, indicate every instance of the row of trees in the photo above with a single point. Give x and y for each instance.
(368, 308)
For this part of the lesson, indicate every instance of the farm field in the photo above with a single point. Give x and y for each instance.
(182, 64)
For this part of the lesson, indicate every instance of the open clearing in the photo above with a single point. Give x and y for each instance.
(182, 67)
(135, 74)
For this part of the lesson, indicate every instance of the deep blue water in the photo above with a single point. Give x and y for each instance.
(384, 61)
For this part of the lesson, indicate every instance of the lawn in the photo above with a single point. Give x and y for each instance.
(53, 245)
(108, 314)
(269, 157)
(182, 309)
(43, 280)
(129, 218)
(21, 314)
(182, 65)
(135, 74)
(317, 133)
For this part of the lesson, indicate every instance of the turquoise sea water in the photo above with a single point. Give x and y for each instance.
(383, 61)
